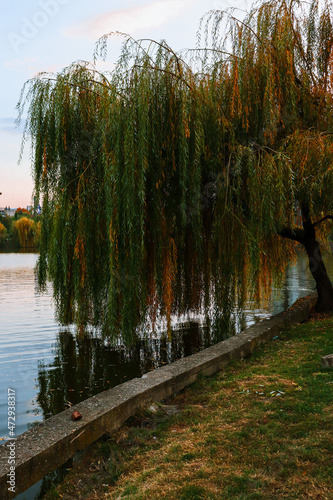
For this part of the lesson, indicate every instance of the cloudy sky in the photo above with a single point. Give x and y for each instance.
(47, 35)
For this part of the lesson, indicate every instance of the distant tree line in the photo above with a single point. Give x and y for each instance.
(20, 231)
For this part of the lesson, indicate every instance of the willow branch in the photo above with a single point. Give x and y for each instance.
(88, 89)
(292, 234)
(72, 84)
(322, 220)
(208, 49)
(167, 71)
(169, 49)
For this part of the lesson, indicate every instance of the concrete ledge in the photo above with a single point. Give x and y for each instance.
(42, 449)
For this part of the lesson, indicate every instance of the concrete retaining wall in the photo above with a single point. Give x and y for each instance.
(42, 449)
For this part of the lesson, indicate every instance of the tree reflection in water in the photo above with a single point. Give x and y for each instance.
(85, 366)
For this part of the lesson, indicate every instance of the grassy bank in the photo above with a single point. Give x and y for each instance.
(263, 428)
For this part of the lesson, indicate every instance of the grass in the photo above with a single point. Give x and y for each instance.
(261, 429)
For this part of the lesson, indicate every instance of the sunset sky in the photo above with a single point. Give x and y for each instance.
(47, 35)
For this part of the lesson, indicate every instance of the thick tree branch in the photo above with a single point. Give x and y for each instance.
(293, 234)
(322, 220)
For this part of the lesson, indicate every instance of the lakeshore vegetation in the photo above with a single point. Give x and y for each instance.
(22, 231)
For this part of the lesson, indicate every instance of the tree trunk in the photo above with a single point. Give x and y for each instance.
(307, 237)
(318, 269)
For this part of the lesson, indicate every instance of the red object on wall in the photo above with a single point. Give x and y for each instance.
(76, 415)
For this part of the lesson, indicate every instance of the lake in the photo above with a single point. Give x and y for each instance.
(51, 370)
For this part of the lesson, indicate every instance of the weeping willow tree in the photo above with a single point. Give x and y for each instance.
(27, 232)
(178, 183)
(3, 231)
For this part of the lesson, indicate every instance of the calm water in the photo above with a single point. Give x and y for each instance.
(26, 336)
(51, 370)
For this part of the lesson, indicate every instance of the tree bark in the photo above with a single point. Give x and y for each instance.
(318, 271)
(307, 237)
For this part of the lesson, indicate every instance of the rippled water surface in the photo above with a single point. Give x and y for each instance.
(27, 332)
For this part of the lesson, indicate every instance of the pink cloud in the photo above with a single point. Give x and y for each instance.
(133, 20)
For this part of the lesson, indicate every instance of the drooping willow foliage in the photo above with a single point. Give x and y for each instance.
(164, 187)
(3, 231)
(27, 231)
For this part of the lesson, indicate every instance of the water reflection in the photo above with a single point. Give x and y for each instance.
(88, 365)
(85, 366)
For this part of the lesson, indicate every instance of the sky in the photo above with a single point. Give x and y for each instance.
(48, 35)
